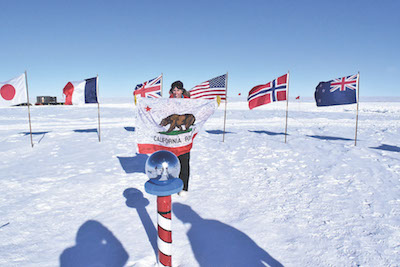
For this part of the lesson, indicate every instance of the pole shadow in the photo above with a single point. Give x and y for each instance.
(4, 225)
(86, 131)
(387, 148)
(134, 164)
(217, 244)
(324, 137)
(95, 246)
(267, 132)
(217, 132)
(130, 129)
(134, 199)
(36, 133)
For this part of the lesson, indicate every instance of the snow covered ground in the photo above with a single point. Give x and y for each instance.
(316, 200)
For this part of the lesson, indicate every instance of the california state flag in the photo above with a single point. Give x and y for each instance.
(13, 92)
(170, 124)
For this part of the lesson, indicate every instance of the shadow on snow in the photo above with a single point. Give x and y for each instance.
(86, 131)
(267, 132)
(134, 164)
(217, 244)
(387, 148)
(323, 137)
(95, 246)
(36, 133)
(134, 199)
(217, 132)
(130, 129)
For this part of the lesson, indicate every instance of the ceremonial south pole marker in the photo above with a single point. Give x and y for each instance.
(163, 168)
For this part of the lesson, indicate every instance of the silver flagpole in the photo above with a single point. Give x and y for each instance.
(98, 104)
(287, 104)
(226, 102)
(358, 100)
(29, 110)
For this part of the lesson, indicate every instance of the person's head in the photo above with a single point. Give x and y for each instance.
(177, 89)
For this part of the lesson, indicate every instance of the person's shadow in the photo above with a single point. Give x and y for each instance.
(217, 244)
(95, 246)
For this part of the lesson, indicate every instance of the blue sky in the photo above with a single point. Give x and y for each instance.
(255, 41)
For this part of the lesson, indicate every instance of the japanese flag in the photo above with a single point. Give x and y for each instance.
(13, 92)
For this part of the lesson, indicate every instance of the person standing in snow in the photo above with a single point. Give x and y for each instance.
(177, 91)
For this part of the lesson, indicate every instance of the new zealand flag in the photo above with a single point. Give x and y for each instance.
(341, 91)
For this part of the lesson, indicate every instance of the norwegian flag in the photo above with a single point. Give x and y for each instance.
(210, 89)
(150, 89)
(340, 91)
(275, 90)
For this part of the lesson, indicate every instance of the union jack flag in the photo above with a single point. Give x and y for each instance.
(210, 89)
(275, 90)
(349, 82)
(150, 89)
(341, 91)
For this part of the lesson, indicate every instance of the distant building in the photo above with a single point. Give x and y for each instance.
(46, 100)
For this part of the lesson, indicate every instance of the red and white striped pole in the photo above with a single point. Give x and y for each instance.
(163, 168)
(164, 241)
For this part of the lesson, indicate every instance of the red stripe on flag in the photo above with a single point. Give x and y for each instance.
(282, 79)
(209, 96)
(68, 91)
(142, 91)
(258, 88)
(200, 86)
(281, 95)
(259, 101)
(209, 91)
(197, 88)
(151, 148)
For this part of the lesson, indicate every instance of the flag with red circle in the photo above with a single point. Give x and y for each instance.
(13, 92)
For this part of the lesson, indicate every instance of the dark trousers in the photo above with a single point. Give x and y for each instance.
(185, 170)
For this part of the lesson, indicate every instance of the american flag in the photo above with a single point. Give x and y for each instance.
(275, 90)
(210, 89)
(349, 82)
(150, 89)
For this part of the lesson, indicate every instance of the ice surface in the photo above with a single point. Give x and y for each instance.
(317, 200)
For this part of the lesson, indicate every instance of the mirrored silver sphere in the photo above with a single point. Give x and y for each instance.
(163, 165)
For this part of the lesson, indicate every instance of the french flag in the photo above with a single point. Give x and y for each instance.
(81, 92)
